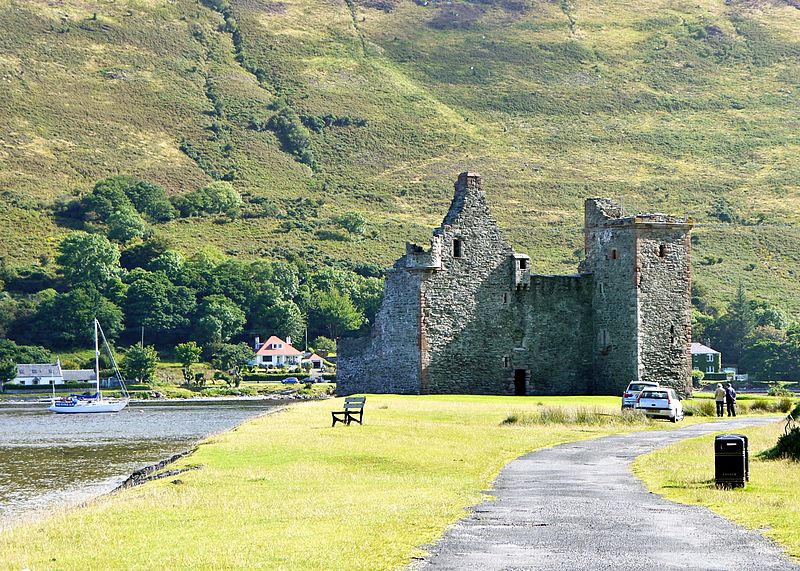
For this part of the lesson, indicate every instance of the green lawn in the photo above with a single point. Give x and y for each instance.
(287, 491)
(770, 503)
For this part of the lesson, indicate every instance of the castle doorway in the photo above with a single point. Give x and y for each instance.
(520, 382)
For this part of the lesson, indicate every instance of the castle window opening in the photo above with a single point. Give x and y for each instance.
(672, 335)
(505, 298)
(614, 254)
(506, 362)
(523, 264)
(457, 248)
(662, 251)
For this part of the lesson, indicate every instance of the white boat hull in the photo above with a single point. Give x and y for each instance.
(104, 405)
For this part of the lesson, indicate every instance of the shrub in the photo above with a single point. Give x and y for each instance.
(700, 408)
(788, 446)
(764, 405)
(779, 391)
(294, 137)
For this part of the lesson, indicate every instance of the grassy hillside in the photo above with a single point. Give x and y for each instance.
(671, 106)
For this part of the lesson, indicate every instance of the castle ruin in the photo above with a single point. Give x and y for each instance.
(466, 316)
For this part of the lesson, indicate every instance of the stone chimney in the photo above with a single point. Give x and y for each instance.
(257, 343)
(288, 340)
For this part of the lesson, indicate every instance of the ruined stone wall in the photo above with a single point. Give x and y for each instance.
(465, 317)
(611, 258)
(664, 305)
(558, 335)
(388, 361)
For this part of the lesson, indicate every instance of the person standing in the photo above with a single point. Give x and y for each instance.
(730, 399)
(719, 397)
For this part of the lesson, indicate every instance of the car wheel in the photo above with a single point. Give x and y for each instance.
(673, 419)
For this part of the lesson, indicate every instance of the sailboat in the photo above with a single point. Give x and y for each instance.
(96, 402)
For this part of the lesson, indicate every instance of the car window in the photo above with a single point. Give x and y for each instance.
(654, 394)
(638, 386)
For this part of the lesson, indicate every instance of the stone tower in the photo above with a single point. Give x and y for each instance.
(641, 300)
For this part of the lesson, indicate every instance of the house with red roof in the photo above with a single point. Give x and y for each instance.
(276, 352)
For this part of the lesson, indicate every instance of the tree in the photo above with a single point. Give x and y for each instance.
(353, 222)
(218, 319)
(141, 255)
(219, 197)
(88, 260)
(10, 351)
(334, 314)
(324, 344)
(125, 224)
(140, 363)
(151, 200)
(730, 331)
(188, 354)
(283, 319)
(8, 371)
(232, 359)
(67, 319)
(155, 302)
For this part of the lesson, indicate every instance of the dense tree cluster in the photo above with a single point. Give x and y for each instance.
(124, 207)
(751, 334)
(203, 301)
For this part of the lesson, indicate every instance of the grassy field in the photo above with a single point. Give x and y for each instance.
(688, 108)
(770, 503)
(289, 492)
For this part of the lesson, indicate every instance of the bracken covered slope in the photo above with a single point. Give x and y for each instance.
(686, 107)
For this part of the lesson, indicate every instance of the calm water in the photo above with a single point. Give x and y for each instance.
(51, 459)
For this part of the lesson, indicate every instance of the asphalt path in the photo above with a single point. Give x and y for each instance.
(577, 506)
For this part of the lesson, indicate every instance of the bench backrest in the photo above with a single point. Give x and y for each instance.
(354, 403)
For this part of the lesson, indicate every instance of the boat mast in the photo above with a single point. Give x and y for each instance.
(96, 361)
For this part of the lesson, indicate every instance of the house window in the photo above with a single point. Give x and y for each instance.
(457, 248)
(710, 358)
(613, 255)
(662, 251)
(709, 369)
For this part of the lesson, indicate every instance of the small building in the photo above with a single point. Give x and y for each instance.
(275, 352)
(706, 359)
(32, 374)
(317, 362)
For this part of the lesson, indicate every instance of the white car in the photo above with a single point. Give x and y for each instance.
(633, 390)
(660, 402)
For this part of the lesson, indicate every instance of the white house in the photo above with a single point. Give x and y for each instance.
(276, 352)
(49, 373)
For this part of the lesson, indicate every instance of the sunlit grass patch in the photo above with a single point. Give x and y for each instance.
(282, 482)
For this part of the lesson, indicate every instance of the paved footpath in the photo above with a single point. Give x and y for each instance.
(577, 506)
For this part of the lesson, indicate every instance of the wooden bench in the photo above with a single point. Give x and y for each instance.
(353, 411)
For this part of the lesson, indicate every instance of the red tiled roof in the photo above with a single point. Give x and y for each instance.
(286, 349)
(314, 357)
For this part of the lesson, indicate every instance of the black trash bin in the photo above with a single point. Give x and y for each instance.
(731, 460)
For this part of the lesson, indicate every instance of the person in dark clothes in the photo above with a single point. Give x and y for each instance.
(730, 399)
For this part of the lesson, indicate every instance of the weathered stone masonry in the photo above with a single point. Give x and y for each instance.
(466, 315)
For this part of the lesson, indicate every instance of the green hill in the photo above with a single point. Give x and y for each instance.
(679, 107)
